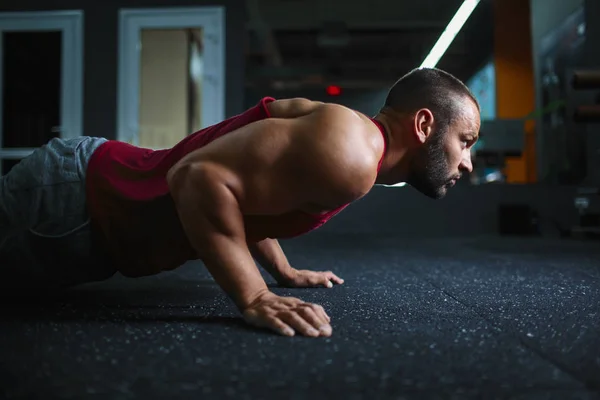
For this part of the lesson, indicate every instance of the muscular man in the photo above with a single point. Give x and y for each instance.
(80, 210)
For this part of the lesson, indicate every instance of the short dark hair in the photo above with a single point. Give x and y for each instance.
(431, 88)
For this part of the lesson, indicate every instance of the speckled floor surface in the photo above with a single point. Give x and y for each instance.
(435, 319)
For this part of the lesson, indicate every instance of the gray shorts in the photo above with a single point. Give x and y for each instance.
(45, 231)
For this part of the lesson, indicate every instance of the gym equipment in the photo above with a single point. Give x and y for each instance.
(499, 138)
(586, 80)
(587, 198)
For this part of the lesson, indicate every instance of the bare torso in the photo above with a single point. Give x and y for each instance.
(341, 134)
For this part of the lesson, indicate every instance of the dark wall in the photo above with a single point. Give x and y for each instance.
(465, 211)
(101, 51)
(592, 60)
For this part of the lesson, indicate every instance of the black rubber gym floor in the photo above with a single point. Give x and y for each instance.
(426, 319)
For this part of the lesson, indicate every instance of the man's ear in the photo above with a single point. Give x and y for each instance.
(423, 124)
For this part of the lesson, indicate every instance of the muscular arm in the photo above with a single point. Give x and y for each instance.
(262, 169)
(211, 217)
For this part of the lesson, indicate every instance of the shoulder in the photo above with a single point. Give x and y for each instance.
(350, 134)
(343, 149)
(300, 107)
(292, 107)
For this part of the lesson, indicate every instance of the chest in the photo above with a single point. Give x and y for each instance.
(286, 225)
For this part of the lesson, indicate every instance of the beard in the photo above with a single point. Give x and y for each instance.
(430, 171)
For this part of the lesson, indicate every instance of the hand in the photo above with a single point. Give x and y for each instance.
(305, 278)
(288, 315)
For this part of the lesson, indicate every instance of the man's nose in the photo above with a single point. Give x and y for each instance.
(466, 163)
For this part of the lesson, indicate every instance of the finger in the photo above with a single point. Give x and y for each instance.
(251, 317)
(298, 323)
(319, 310)
(286, 303)
(316, 279)
(279, 326)
(314, 313)
(336, 279)
(320, 279)
(319, 322)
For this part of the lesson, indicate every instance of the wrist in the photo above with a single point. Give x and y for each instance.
(285, 274)
(251, 301)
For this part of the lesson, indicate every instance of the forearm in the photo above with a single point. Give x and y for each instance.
(270, 256)
(231, 265)
(213, 223)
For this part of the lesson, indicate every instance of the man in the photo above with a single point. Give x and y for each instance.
(80, 210)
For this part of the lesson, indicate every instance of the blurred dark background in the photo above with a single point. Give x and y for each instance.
(150, 72)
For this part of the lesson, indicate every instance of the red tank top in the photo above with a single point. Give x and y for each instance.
(129, 201)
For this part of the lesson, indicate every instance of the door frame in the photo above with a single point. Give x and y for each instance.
(131, 22)
(70, 22)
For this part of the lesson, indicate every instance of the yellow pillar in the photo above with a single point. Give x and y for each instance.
(515, 81)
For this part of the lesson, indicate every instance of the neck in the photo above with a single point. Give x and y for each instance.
(395, 164)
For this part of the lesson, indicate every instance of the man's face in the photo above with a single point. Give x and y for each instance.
(445, 155)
